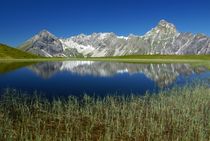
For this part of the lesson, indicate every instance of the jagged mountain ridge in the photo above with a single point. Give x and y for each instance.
(162, 39)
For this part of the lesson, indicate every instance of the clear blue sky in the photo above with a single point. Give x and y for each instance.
(21, 19)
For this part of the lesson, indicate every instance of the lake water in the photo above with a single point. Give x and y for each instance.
(97, 78)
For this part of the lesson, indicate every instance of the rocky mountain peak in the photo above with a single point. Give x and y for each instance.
(164, 29)
(44, 44)
(45, 33)
(164, 23)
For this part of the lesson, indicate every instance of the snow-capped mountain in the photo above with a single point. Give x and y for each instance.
(162, 39)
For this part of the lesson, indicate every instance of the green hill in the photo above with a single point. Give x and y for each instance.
(7, 52)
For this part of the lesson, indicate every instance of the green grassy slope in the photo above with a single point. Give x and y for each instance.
(7, 52)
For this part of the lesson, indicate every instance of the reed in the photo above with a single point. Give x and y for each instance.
(177, 114)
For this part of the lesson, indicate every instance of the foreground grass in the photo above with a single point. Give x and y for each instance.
(178, 114)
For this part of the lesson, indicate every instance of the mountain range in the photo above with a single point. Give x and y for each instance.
(162, 39)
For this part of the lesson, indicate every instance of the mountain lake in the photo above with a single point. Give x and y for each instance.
(77, 78)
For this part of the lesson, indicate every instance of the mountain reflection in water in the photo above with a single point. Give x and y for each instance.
(162, 74)
(66, 78)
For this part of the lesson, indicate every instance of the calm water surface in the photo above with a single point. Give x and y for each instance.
(97, 78)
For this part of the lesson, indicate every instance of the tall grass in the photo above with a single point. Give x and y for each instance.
(178, 114)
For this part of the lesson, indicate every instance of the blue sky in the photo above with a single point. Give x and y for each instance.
(21, 19)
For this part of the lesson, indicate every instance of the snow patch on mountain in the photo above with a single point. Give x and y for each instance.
(69, 43)
(122, 37)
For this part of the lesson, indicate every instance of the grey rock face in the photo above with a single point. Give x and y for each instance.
(163, 39)
(45, 44)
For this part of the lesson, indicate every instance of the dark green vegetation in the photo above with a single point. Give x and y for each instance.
(178, 114)
(7, 52)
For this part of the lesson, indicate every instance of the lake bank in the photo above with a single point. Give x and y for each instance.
(196, 60)
(131, 58)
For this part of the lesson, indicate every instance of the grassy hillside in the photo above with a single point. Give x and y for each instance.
(7, 52)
